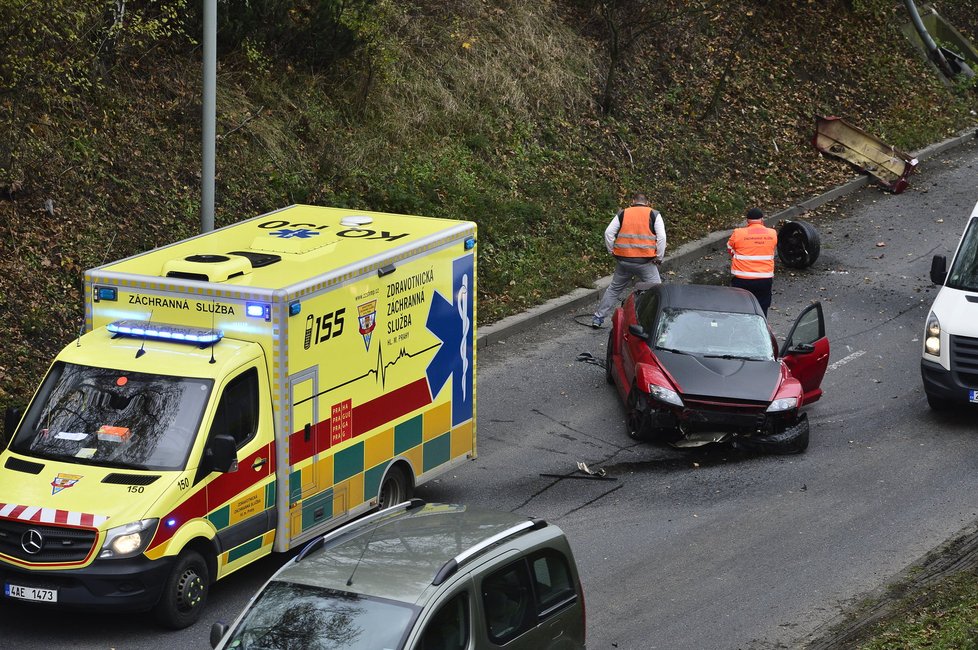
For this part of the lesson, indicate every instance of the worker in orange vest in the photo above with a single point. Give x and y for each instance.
(636, 237)
(752, 257)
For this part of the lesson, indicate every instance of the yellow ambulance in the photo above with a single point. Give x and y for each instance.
(238, 393)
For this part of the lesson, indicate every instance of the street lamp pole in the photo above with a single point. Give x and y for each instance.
(208, 122)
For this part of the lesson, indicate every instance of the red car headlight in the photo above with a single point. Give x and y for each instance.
(783, 404)
(664, 394)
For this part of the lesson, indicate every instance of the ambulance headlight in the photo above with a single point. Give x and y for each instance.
(129, 540)
(932, 336)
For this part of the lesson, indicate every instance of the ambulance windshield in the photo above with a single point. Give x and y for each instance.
(101, 416)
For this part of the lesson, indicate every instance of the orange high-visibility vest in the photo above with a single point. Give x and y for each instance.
(635, 237)
(753, 249)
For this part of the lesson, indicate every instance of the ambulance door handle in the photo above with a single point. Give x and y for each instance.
(259, 463)
(308, 433)
(386, 270)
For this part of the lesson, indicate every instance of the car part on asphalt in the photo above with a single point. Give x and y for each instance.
(840, 139)
(799, 244)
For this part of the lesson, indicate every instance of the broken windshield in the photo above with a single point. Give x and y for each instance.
(715, 334)
(101, 416)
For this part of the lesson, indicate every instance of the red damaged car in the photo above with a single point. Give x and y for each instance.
(699, 364)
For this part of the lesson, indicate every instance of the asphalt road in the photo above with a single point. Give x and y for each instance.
(708, 549)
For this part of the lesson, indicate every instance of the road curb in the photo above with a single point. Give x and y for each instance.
(511, 325)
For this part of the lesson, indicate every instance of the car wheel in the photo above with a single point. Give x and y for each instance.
(637, 421)
(185, 592)
(938, 403)
(394, 489)
(799, 244)
(608, 361)
(798, 435)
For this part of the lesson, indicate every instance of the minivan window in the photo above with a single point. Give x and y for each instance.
(552, 578)
(507, 600)
(115, 418)
(448, 629)
(291, 616)
(964, 269)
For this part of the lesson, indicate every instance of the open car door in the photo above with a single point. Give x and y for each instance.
(806, 351)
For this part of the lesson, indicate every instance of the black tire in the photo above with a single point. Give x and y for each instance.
(394, 489)
(637, 420)
(799, 244)
(938, 403)
(798, 444)
(184, 593)
(608, 363)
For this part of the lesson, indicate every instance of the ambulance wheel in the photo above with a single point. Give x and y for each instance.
(798, 244)
(185, 592)
(394, 489)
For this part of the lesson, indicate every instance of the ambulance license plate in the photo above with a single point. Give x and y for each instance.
(31, 593)
(973, 395)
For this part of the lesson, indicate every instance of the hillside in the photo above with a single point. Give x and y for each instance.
(492, 110)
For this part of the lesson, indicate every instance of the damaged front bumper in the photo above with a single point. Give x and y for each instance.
(751, 430)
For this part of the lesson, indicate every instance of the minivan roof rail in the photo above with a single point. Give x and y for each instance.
(322, 542)
(452, 565)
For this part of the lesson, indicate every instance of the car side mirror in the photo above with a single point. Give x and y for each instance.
(218, 630)
(938, 269)
(221, 454)
(637, 330)
(800, 348)
(11, 418)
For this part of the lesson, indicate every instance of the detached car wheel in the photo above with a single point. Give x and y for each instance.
(799, 244)
(185, 592)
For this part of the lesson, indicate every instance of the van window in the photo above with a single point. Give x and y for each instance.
(448, 629)
(237, 412)
(552, 578)
(507, 600)
(964, 270)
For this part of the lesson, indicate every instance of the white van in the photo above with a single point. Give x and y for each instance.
(949, 361)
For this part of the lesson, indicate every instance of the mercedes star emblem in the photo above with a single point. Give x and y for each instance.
(32, 541)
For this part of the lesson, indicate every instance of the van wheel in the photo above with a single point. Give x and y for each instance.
(185, 592)
(394, 489)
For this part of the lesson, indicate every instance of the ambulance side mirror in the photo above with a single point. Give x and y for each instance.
(221, 454)
(11, 418)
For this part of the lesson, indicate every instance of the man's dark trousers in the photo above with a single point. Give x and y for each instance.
(760, 287)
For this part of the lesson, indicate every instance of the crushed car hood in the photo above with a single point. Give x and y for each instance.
(735, 379)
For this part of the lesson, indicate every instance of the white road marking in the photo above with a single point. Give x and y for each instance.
(846, 359)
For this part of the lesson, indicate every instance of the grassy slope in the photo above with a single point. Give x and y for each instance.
(484, 111)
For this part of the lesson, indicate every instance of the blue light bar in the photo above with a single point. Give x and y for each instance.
(147, 330)
(259, 310)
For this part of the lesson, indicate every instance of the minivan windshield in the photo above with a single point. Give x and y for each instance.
(964, 270)
(714, 333)
(115, 418)
(290, 616)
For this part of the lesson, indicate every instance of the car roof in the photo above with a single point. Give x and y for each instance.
(398, 556)
(707, 297)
